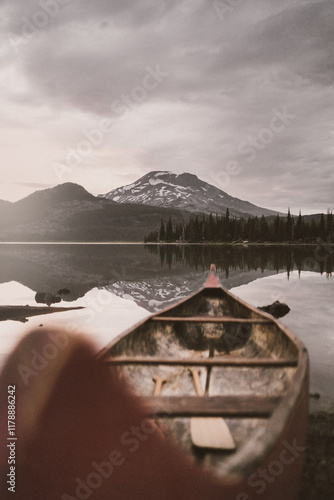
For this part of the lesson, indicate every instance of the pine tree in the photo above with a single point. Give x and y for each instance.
(264, 229)
(170, 236)
(329, 225)
(288, 227)
(227, 228)
(298, 227)
(322, 227)
(152, 237)
(211, 228)
(178, 232)
(162, 232)
(197, 230)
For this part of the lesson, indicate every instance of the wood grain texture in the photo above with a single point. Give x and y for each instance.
(224, 406)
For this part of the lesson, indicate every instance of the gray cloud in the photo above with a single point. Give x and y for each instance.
(226, 77)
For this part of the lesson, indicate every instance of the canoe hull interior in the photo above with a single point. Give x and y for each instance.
(254, 371)
(183, 338)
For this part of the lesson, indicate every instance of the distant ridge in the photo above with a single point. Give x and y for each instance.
(185, 192)
(58, 194)
(4, 204)
(37, 204)
(70, 213)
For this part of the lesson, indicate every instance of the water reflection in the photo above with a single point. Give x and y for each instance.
(227, 258)
(118, 284)
(81, 268)
(310, 298)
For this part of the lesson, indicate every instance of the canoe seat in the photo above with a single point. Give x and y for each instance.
(225, 406)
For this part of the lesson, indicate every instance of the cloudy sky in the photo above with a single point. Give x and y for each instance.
(238, 92)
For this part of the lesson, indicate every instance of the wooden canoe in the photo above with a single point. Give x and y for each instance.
(255, 373)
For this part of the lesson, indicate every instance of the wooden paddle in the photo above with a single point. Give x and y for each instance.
(159, 382)
(209, 432)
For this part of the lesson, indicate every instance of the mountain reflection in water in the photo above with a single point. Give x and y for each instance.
(80, 268)
(119, 285)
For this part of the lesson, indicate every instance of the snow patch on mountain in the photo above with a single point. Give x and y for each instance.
(154, 182)
(154, 294)
(183, 191)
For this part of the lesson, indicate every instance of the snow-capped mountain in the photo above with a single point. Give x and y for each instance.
(157, 293)
(183, 191)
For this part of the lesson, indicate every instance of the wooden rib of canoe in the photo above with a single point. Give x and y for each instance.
(254, 376)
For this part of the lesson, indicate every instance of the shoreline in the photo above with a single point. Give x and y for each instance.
(21, 313)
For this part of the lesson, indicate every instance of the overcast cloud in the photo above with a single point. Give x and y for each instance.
(237, 92)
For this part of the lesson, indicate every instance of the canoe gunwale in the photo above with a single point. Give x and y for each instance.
(276, 424)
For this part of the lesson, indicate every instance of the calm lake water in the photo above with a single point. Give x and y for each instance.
(119, 285)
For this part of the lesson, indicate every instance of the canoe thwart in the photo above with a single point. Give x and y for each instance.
(210, 319)
(217, 361)
(211, 406)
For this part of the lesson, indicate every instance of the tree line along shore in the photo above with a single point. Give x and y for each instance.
(225, 228)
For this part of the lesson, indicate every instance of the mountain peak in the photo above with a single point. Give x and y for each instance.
(167, 174)
(183, 191)
(63, 192)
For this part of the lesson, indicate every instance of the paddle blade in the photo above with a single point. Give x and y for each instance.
(211, 432)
